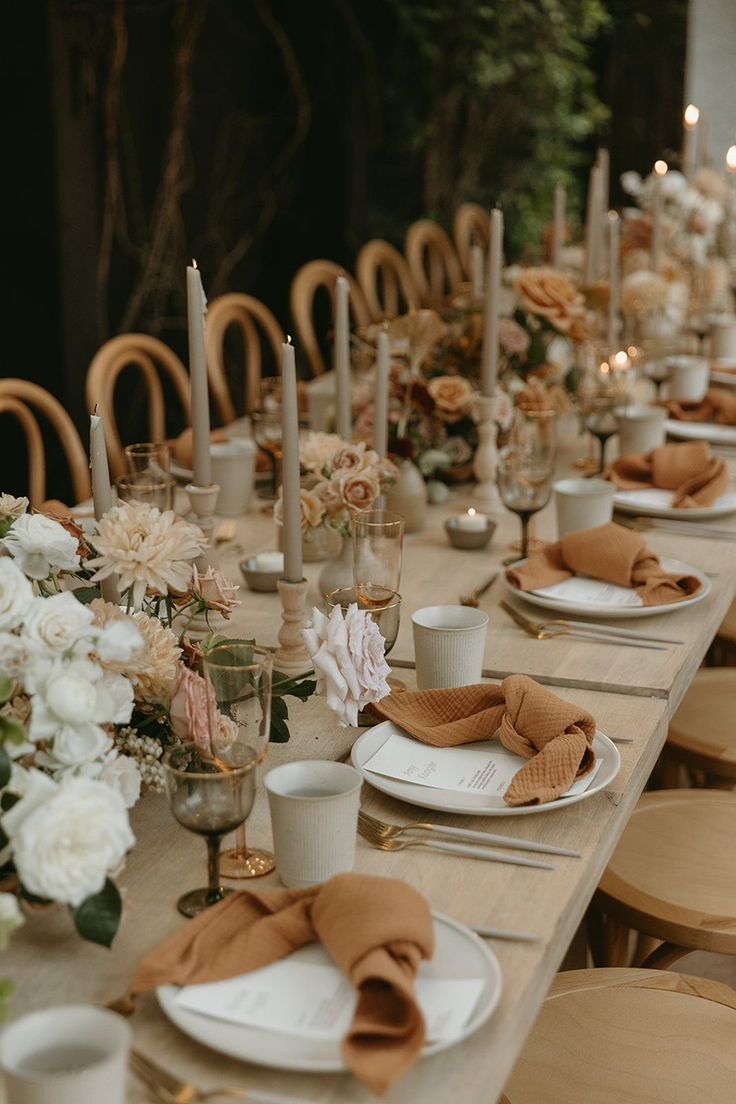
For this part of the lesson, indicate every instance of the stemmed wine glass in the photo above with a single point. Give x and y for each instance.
(525, 483)
(383, 604)
(267, 423)
(211, 791)
(378, 537)
(600, 420)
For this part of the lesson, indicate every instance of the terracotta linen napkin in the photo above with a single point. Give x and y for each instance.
(377, 930)
(610, 553)
(555, 736)
(718, 406)
(689, 469)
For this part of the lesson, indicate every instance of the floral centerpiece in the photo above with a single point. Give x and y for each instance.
(92, 691)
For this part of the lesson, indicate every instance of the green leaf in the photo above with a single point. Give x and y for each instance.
(97, 919)
(279, 731)
(4, 768)
(87, 594)
(279, 708)
(7, 685)
(8, 800)
(12, 731)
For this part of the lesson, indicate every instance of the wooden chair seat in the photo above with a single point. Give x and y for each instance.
(702, 733)
(433, 262)
(673, 874)
(727, 630)
(386, 280)
(471, 226)
(629, 1037)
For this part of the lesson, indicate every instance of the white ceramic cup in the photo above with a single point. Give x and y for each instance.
(582, 504)
(314, 817)
(71, 1054)
(234, 469)
(723, 337)
(449, 645)
(640, 428)
(688, 378)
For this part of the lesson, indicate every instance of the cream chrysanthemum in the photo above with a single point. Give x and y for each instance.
(148, 550)
(152, 670)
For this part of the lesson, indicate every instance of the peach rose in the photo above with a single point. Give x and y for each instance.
(452, 396)
(551, 295)
(359, 489)
(217, 592)
(312, 508)
(317, 450)
(353, 458)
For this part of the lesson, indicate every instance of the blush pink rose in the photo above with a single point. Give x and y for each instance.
(193, 712)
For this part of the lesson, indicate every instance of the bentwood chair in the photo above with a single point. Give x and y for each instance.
(148, 355)
(471, 226)
(633, 1036)
(311, 278)
(386, 280)
(701, 742)
(433, 262)
(255, 322)
(23, 399)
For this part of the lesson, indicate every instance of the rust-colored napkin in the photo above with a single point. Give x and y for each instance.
(718, 406)
(377, 930)
(555, 736)
(610, 553)
(690, 470)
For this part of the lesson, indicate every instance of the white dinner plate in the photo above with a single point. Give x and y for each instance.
(719, 371)
(701, 431)
(655, 502)
(459, 953)
(450, 801)
(569, 603)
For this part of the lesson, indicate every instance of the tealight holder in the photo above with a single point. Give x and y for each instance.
(259, 578)
(469, 538)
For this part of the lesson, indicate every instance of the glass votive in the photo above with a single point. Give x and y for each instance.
(148, 456)
(147, 487)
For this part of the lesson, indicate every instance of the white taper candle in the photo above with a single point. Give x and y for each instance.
(196, 308)
(290, 473)
(343, 381)
(490, 349)
(380, 408)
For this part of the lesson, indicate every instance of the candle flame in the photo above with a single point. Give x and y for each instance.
(621, 359)
(194, 263)
(288, 339)
(660, 167)
(692, 114)
(471, 512)
(731, 159)
(632, 351)
(605, 368)
(613, 216)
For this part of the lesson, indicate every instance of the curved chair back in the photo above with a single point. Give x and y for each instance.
(386, 280)
(312, 277)
(433, 262)
(18, 397)
(147, 354)
(252, 318)
(471, 226)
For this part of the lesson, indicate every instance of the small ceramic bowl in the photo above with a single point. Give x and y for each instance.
(258, 579)
(469, 538)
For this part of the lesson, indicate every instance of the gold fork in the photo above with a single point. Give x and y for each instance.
(548, 630)
(382, 844)
(472, 598)
(170, 1090)
(392, 831)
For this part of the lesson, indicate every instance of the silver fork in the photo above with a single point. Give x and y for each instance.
(382, 844)
(170, 1090)
(392, 831)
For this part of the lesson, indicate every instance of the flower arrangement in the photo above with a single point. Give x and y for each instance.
(347, 651)
(693, 212)
(92, 691)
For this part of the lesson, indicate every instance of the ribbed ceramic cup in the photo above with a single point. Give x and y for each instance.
(449, 644)
(234, 469)
(688, 378)
(640, 428)
(73, 1054)
(582, 504)
(314, 817)
(723, 337)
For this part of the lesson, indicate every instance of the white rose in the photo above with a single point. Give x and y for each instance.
(631, 183)
(15, 654)
(41, 545)
(348, 653)
(65, 846)
(16, 595)
(119, 641)
(121, 773)
(10, 917)
(11, 507)
(77, 744)
(59, 624)
(75, 694)
(114, 699)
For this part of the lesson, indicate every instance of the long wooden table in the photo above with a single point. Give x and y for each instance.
(629, 691)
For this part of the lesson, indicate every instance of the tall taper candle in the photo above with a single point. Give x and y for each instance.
(380, 408)
(592, 226)
(343, 381)
(101, 490)
(196, 309)
(604, 166)
(689, 138)
(490, 350)
(660, 169)
(614, 280)
(290, 475)
(476, 271)
(558, 224)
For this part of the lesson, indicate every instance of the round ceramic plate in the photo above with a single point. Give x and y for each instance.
(184, 475)
(459, 953)
(450, 801)
(654, 502)
(566, 598)
(723, 371)
(701, 431)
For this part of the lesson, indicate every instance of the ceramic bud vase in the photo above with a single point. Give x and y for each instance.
(337, 572)
(408, 496)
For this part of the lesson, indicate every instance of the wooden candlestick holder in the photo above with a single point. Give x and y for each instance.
(202, 501)
(292, 657)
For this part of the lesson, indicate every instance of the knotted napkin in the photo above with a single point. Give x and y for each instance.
(377, 930)
(690, 470)
(718, 406)
(555, 736)
(612, 554)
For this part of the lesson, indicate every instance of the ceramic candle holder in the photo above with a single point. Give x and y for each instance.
(469, 538)
(259, 578)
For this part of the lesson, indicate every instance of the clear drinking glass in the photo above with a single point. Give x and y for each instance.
(601, 422)
(241, 677)
(267, 435)
(383, 604)
(147, 486)
(378, 537)
(153, 458)
(525, 484)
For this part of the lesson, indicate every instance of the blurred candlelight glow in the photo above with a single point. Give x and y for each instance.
(692, 114)
(731, 159)
(660, 167)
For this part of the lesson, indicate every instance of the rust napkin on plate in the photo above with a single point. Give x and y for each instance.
(718, 406)
(690, 470)
(377, 930)
(555, 736)
(610, 553)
